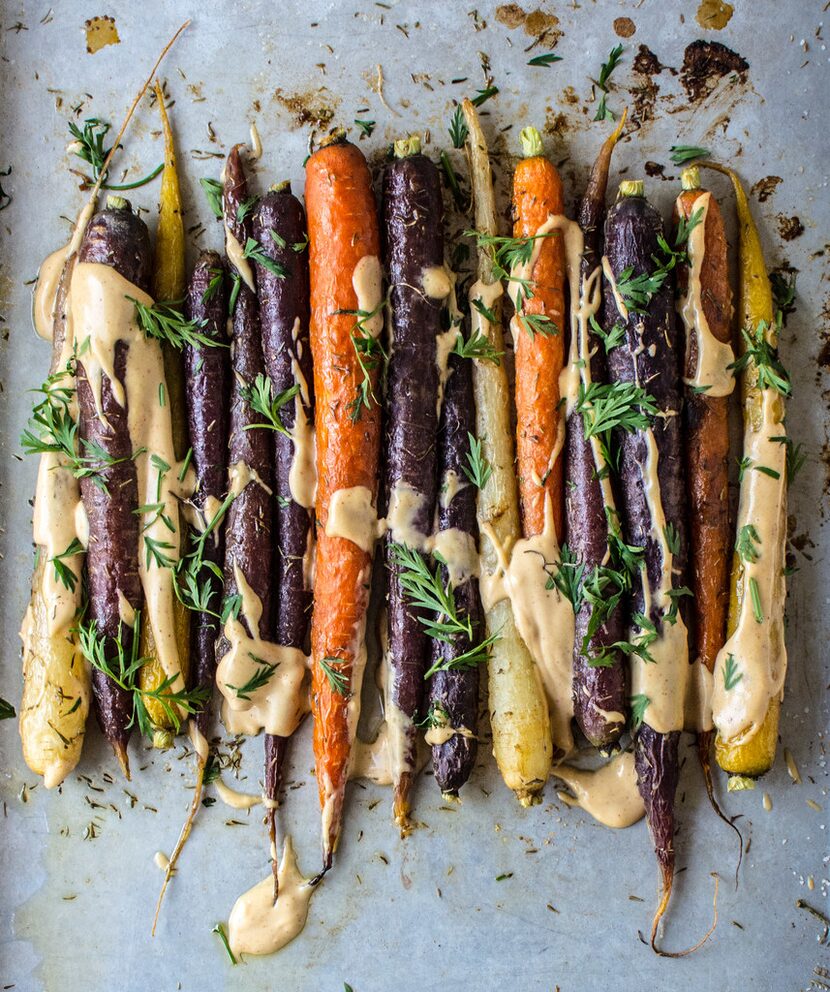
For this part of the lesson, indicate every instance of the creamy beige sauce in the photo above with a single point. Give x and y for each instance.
(544, 617)
(367, 282)
(103, 314)
(459, 551)
(451, 486)
(698, 703)
(608, 272)
(275, 706)
(609, 794)
(302, 477)
(353, 517)
(664, 680)
(257, 924)
(758, 649)
(713, 356)
(234, 798)
(445, 342)
(405, 504)
(46, 289)
(436, 282)
(487, 293)
(242, 475)
(439, 735)
(236, 256)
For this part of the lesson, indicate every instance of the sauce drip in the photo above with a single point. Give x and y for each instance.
(609, 794)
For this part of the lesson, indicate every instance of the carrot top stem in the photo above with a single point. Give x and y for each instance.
(690, 178)
(411, 145)
(335, 137)
(117, 203)
(631, 187)
(281, 187)
(531, 142)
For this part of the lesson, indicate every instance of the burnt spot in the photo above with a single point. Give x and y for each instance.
(705, 63)
(624, 27)
(765, 187)
(790, 228)
(654, 169)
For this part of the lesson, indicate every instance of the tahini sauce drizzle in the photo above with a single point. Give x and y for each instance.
(257, 924)
(713, 356)
(276, 706)
(758, 649)
(609, 794)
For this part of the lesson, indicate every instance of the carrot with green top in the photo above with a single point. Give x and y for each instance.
(539, 335)
(750, 668)
(346, 321)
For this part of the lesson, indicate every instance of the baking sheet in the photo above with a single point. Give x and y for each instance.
(427, 913)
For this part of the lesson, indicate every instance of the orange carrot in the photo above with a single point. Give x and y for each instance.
(342, 232)
(540, 343)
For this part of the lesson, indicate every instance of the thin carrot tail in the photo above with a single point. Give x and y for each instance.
(704, 749)
(402, 807)
(195, 803)
(275, 748)
(661, 909)
(332, 821)
(123, 758)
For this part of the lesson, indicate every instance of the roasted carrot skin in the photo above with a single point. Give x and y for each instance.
(249, 520)
(455, 690)
(412, 220)
(597, 690)
(537, 193)
(284, 318)
(207, 394)
(120, 239)
(650, 356)
(342, 229)
(706, 420)
(284, 300)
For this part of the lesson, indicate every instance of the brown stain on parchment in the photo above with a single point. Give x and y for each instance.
(646, 66)
(714, 14)
(624, 27)
(790, 228)
(100, 32)
(539, 25)
(765, 187)
(705, 63)
(315, 107)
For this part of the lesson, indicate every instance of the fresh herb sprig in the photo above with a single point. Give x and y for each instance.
(196, 576)
(261, 677)
(614, 58)
(260, 395)
(371, 356)
(731, 674)
(256, 253)
(214, 192)
(164, 322)
(338, 680)
(88, 145)
(458, 128)
(64, 573)
(759, 353)
(477, 346)
(548, 59)
(122, 664)
(478, 469)
(681, 154)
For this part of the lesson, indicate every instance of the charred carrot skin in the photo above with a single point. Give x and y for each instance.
(598, 690)
(342, 229)
(454, 691)
(284, 317)
(412, 219)
(706, 420)
(119, 238)
(207, 391)
(537, 195)
(249, 519)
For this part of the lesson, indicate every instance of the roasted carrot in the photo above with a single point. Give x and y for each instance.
(751, 666)
(518, 708)
(599, 677)
(539, 336)
(168, 286)
(705, 308)
(412, 220)
(346, 319)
